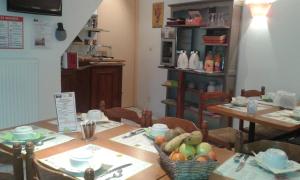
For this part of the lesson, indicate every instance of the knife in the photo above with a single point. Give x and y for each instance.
(115, 169)
(242, 163)
(133, 133)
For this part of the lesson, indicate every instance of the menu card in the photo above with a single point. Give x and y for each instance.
(66, 111)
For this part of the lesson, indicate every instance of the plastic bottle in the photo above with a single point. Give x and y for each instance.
(217, 63)
(209, 63)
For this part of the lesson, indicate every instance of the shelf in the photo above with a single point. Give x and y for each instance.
(193, 90)
(215, 44)
(95, 29)
(199, 26)
(214, 74)
(168, 86)
(170, 102)
(192, 110)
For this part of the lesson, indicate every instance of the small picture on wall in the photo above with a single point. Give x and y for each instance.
(157, 15)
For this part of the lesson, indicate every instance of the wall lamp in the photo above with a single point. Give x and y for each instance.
(259, 8)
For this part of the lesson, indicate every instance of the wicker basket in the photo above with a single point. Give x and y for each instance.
(186, 170)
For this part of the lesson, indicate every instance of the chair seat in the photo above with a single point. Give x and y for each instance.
(224, 136)
(265, 132)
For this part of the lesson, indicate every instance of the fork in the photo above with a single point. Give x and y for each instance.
(119, 171)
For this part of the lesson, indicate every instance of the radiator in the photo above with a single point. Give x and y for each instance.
(18, 92)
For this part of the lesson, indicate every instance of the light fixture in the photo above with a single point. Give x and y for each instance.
(259, 8)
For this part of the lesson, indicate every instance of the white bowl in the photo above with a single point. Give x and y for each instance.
(23, 129)
(81, 159)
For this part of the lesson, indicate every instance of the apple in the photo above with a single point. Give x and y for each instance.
(187, 150)
(203, 148)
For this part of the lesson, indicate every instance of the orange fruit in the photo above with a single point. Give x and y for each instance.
(212, 155)
(159, 140)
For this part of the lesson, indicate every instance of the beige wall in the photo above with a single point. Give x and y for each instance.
(119, 16)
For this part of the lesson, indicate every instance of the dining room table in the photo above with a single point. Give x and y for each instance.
(105, 140)
(267, 114)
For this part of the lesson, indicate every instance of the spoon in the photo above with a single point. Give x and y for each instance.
(41, 142)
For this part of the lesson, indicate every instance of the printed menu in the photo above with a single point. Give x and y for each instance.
(66, 111)
(11, 32)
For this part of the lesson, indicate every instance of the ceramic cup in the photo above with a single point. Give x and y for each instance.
(23, 132)
(94, 115)
(240, 100)
(275, 158)
(159, 129)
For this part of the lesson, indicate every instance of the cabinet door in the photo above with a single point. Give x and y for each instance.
(68, 80)
(82, 92)
(106, 85)
(77, 81)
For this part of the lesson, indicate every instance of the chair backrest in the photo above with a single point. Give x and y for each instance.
(35, 169)
(118, 113)
(253, 93)
(13, 158)
(207, 99)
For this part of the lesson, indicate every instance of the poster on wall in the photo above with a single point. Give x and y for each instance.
(157, 15)
(42, 34)
(11, 32)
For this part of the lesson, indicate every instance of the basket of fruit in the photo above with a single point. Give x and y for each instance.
(184, 155)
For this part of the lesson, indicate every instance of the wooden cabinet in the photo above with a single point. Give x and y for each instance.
(182, 100)
(92, 84)
(106, 85)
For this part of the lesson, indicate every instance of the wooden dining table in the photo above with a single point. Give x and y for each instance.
(256, 118)
(102, 139)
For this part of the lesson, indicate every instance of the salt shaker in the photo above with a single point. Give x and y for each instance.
(251, 107)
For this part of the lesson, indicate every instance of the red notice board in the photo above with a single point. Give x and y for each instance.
(11, 32)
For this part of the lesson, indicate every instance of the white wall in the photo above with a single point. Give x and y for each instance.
(75, 15)
(269, 53)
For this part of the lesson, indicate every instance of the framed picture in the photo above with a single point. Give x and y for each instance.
(157, 15)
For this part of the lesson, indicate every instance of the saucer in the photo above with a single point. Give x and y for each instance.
(94, 164)
(295, 117)
(239, 104)
(10, 137)
(291, 167)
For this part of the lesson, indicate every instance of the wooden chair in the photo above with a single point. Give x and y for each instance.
(37, 170)
(261, 132)
(13, 159)
(224, 137)
(118, 113)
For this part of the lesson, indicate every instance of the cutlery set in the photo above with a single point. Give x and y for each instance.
(118, 169)
(133, 133)
(241, 159)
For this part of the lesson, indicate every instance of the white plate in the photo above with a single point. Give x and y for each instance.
(292, 165)
(95, 164)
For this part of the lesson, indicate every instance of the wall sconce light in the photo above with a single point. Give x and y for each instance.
(259, 8)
